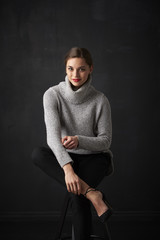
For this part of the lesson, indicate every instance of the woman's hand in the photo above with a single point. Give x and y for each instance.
(73, 182)
(70, 142)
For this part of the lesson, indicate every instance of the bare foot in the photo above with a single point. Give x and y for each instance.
(96, 198)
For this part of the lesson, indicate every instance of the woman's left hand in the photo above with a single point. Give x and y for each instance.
(70, 142)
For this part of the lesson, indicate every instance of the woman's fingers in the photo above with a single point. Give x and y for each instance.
(78, 189)
(70, 142)
(71, 188)
(64, 139)
(68, 188)
(73, 182)
(74, 188)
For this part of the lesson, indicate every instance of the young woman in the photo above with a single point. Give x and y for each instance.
(79, 133)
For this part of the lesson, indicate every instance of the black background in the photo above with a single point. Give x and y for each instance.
(124, 39)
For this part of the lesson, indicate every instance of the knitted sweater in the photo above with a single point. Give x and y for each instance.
(84, 113)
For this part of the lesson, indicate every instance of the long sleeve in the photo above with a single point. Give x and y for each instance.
(53, 127)
(103, 139)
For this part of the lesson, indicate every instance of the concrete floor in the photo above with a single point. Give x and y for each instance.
(136, 230)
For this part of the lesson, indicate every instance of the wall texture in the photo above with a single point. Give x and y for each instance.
(124, 39)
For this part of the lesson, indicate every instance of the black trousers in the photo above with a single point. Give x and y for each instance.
(90, 168)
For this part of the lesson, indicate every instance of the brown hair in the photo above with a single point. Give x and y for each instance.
(77, 52)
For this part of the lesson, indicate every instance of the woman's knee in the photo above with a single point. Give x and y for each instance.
(37, 154)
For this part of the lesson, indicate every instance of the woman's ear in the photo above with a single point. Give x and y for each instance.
(91, 69)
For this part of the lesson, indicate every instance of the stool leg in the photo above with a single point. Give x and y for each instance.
(106, 237)
(107, 231)
(73, 236)
(62, 217)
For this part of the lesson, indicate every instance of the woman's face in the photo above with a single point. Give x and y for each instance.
(77, 71)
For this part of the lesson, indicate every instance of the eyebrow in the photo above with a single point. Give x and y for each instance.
(78, 67)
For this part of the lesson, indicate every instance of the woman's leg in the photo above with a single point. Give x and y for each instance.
(96, 165)
(92, 169)
(44, 158)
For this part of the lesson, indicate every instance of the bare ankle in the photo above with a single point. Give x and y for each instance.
(93, 196)
(88, 192)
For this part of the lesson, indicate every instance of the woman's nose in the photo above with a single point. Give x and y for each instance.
(76, 73)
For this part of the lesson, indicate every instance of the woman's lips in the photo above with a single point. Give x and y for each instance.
(76, 79)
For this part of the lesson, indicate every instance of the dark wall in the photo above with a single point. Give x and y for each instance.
(124, 39)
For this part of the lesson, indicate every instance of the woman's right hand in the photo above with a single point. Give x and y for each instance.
(73, 182)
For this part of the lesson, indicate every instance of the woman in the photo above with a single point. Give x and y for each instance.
(79, 132)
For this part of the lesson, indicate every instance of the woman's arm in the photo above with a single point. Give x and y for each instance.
(53, 127)
(103, 138)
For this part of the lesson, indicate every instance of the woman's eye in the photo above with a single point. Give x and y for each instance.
(82, 69)
(70, 69)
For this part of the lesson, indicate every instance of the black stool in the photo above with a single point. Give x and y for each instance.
(58, 235)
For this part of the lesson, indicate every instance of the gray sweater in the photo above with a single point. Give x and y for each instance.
(84, 113)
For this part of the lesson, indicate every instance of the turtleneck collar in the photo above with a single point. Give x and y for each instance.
(80, 95)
